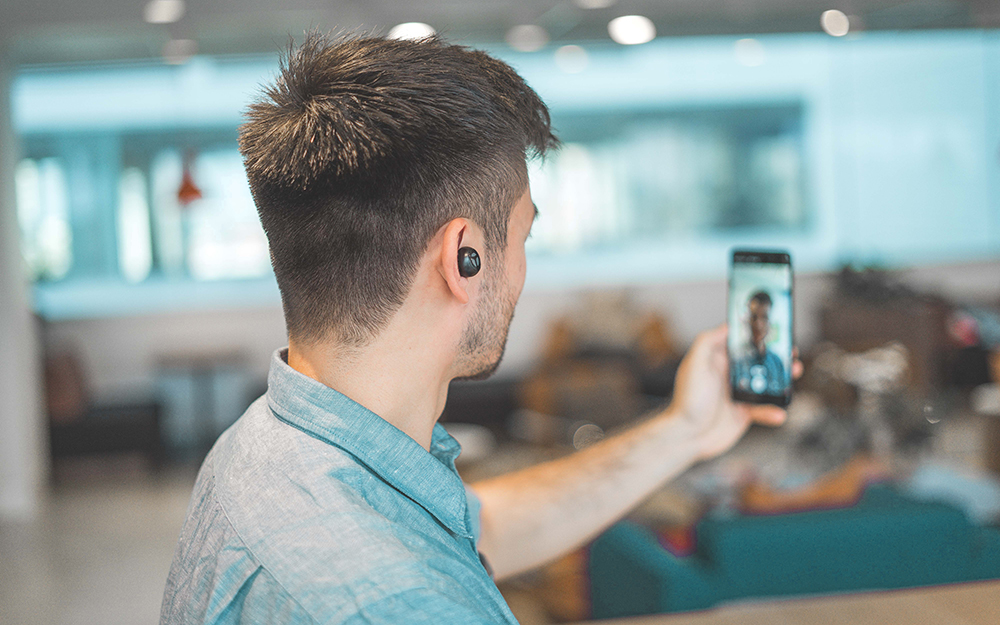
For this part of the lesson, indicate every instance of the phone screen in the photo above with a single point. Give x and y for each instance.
(760, 327)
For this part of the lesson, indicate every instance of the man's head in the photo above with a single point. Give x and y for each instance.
(760, 317)
(362, 151)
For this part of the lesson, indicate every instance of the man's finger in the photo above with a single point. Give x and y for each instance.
(715, 337)
(797, 367)
(768, 415)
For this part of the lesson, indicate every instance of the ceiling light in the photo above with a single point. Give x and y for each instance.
(527, 37)
(163, 11)
(411, 30)
(594, 4)
(835, 23)
(572, 59)
(631, 29)
(749, 52)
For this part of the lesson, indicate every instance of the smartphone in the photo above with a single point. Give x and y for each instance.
(760, 327)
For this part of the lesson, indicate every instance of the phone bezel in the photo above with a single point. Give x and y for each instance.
(775, 257)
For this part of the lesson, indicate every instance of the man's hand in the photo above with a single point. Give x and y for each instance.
(702, 398)
(538, 513)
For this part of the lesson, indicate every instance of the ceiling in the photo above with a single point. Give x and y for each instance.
(46, 31)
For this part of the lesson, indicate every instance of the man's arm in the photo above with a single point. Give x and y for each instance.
(532, 516)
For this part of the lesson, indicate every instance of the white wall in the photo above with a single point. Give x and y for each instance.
(21, 451)
(121, 355)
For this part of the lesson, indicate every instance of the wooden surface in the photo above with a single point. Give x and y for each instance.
(975, 603)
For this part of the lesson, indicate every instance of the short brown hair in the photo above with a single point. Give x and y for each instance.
(362, 149)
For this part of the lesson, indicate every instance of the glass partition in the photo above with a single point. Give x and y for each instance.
(878, 148)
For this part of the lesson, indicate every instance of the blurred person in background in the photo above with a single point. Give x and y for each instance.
(386, 173)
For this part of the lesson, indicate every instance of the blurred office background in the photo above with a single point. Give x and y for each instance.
(139, 312)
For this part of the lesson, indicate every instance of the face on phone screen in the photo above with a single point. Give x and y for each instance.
(760, 327)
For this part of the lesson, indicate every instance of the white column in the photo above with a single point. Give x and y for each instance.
(22, 453)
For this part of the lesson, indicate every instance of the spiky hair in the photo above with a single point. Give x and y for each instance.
(363, 148)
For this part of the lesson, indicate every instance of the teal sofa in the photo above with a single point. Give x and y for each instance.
(884, 541)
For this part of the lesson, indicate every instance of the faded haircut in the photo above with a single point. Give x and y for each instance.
(361, 150)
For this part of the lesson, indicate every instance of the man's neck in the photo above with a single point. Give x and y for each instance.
(402, 377)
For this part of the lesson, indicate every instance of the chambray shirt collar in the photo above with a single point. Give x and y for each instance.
(429, 479)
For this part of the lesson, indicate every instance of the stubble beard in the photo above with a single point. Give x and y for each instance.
(484, 340)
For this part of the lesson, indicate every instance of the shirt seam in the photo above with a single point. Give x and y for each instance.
(253, 554)
(372, 471)
(281, 376)
(261, 564)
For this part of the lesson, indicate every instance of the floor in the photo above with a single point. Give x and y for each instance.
(101, 550)
(955, 604)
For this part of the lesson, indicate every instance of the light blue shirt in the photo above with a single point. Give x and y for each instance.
(759, 373)
(313, 509)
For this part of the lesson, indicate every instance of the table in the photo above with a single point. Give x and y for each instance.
(974, 603)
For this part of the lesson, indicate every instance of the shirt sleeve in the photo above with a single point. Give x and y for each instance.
(419, 606)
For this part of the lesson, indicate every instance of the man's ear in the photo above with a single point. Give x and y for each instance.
(457, 233)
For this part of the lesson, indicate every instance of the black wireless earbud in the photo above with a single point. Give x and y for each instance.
(468, 262)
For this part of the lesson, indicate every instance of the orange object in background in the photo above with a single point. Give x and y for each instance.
(838, 489)
(189, 191)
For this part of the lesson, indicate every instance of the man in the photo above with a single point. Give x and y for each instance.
(758, 369)
(382, 170)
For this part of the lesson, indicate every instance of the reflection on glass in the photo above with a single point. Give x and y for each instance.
(43, 216)
(225, 236)
(215, 237)
(135, 254)
(212, 238)
(165, 176)
(661, 175)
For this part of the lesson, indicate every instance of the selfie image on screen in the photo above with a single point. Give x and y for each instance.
(760, 341)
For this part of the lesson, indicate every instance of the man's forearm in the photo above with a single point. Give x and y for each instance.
(534, 515)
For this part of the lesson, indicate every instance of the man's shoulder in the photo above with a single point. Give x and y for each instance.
(303, 521)
(216, 578)
(214, 572)
(266, 472)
